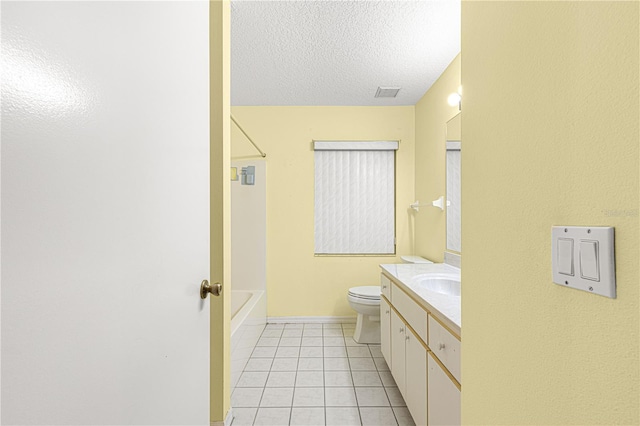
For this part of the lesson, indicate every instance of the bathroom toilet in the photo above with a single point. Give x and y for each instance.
(365, 300)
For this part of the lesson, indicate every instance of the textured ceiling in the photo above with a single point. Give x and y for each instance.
(339, 52)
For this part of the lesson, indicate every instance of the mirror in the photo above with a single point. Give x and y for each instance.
(454, 153)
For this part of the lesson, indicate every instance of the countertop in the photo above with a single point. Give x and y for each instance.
(445, 307)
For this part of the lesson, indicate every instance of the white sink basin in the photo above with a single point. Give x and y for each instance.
(439, 283)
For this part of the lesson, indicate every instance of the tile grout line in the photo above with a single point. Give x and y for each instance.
(323, 372)
(324, 381)
(353, 383)
(355, 394)
(295, 378)
(265, 383)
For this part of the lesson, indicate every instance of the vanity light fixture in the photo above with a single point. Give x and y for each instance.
(456, 99)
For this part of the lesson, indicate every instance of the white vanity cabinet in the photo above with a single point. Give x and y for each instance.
(385, 287)
(385, 330)
(445, 346)
(416, 371)
(409, 367)
(398, 364)
(423, 356)
(444, 396)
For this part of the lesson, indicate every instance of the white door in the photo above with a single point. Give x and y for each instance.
(105, 213)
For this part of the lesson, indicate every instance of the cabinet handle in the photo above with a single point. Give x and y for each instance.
(384, 286)
(441, 346)
(401, 330)
(387, 312)
(406, 338)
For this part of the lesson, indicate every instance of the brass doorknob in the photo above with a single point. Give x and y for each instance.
(206, 288)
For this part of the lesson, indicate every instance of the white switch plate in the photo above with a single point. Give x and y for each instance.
(604, 282)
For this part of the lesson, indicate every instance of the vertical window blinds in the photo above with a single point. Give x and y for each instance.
(355, 197)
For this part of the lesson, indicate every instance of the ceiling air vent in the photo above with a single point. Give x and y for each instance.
(387, 92)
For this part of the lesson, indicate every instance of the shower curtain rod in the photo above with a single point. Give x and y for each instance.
(248, 137)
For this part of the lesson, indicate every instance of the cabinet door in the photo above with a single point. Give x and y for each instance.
(444, 397)
(416, 378)
(385, 330)
(397, 351)
(385, 286)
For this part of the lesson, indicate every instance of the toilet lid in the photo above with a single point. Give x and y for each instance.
(366, 292)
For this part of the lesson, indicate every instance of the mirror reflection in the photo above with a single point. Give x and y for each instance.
(453, 157)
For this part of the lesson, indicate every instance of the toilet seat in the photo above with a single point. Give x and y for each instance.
(366, 293)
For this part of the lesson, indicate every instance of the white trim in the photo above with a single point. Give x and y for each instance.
(299, 320)
(355, 145)
(454, 146)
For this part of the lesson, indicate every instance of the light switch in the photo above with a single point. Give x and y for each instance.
(589, 257)
(565, 256)
(583, 258)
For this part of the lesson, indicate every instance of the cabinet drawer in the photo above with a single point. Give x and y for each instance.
(445, 346)
(410, 310)
(385, 286)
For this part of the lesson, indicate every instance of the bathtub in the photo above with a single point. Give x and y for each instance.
(248, 319)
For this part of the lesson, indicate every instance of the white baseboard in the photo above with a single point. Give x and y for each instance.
(298, 320)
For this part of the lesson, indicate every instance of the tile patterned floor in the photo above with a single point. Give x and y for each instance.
(316, 374)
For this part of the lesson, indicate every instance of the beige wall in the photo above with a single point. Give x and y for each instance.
(220, 368)
(298, 283)
(432, 114)
(550, 131)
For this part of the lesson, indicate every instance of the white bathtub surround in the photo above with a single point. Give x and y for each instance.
(248, 264)
(248, 320)
(322, 378)
(249, 229)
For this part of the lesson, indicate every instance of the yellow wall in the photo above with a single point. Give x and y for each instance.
(298, 283)
(432, 114)
(219, 42)
(550, 131)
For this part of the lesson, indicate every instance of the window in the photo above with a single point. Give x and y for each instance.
(355, 197)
